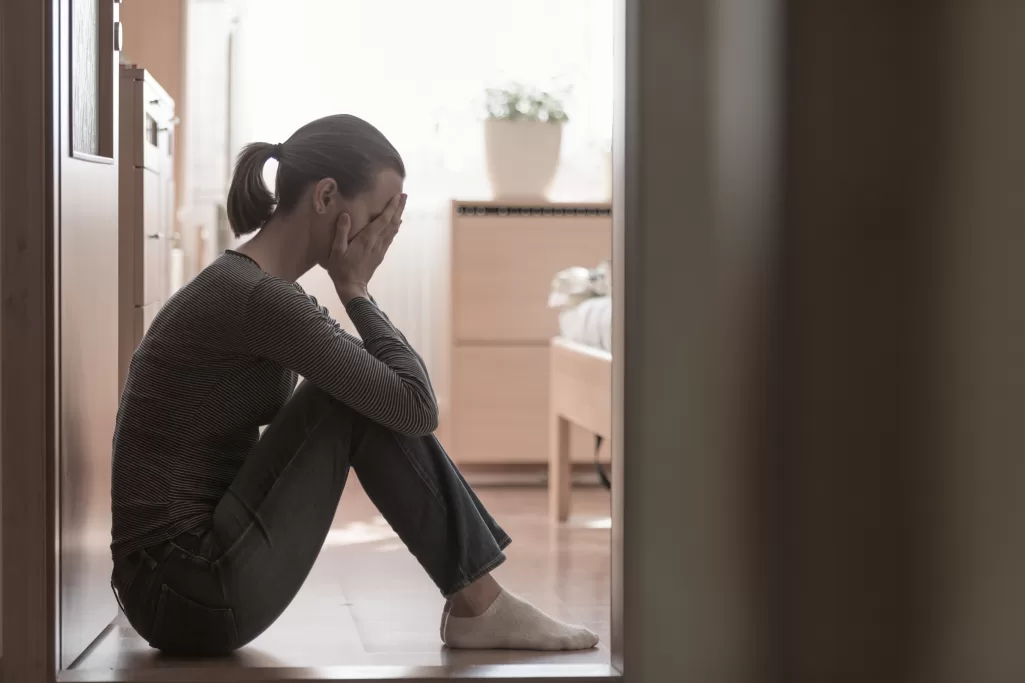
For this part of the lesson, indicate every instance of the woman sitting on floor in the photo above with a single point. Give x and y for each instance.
(215, 527)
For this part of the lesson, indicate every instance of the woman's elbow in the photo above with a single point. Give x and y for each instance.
(425, 423)
(432, 420)
(430, 427)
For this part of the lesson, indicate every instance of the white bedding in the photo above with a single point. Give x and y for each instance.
(589, 322)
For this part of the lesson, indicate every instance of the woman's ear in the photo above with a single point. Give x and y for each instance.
(325, 195)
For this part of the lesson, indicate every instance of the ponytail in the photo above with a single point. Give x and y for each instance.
(250, 201)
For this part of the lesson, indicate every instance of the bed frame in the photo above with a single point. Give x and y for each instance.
(580, 392)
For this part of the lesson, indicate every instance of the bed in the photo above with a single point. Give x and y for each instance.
(588, 323)
(580, 391)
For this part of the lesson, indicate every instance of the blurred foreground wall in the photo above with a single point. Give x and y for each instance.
(826, 404)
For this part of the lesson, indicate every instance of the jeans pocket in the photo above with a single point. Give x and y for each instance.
(127, 569)
(185, 628)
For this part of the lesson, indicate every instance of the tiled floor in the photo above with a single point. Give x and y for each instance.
(368, 602)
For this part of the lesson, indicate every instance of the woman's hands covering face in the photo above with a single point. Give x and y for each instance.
(355, 257)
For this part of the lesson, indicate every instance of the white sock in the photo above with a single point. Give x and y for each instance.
(512, 623)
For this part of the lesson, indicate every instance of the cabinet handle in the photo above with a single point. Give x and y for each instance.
(155, 236)
(170, 125)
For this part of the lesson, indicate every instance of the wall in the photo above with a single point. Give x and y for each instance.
(904, 384)
(153, 38)
(902, 375)
(694, 209)
(863, 123)
(978, 560)
(851, 510)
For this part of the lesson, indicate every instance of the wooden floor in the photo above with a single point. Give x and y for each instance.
(368, 602)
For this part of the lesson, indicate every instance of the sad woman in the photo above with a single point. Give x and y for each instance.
(215, 525)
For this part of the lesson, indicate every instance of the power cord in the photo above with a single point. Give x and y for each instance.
(602, 476)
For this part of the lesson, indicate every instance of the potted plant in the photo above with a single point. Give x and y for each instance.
(522, 140)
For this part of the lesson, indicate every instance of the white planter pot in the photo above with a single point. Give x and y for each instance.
(522, 157)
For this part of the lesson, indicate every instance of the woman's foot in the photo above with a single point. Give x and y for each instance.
(506, 623)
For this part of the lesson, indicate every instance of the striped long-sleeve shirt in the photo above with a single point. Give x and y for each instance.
(219, 361)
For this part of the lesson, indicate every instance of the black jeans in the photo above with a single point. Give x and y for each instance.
(212, 591)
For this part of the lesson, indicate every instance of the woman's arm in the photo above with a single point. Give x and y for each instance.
(330, 318)
(384, 380)
(358, 342)
(398, 332)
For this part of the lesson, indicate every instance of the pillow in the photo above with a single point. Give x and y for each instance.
(574, 285)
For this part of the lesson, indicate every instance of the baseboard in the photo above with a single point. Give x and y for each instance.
(525, 475)
(535, 673)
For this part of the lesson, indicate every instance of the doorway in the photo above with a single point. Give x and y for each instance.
(456, 261)
(578, 552)
(643, 622)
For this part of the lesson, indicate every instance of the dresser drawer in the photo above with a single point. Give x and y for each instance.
(502, 268)
(150, 114)
(149, 240)
(158, 127)
(499, 405)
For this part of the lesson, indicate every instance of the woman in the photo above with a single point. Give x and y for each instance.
(216, 527)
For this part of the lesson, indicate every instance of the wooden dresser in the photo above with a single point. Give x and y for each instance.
(145, 205)
(503, 260)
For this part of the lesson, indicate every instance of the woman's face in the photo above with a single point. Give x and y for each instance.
(362, 209)
(368, 206)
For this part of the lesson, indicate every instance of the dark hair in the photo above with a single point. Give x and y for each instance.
(344, 148)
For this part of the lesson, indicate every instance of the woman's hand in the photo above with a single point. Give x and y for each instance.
(352, 264)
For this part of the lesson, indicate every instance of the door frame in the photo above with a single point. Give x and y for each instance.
(656, 581)
(29, 247)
